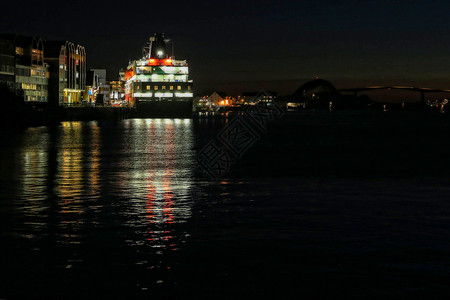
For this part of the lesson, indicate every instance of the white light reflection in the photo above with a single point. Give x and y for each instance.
(159, 178)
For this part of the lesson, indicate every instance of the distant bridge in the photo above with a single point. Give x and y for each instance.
(422, 91)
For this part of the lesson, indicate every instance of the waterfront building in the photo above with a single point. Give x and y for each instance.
(103, 94)
(217, 99)
(117, 90)
(201, 103)
(229, 101)
(261, 97)
(7, 63)
(158, 84)
(30, 70)
(67, 68)
(249, 97)
(91, 88)
(266, 97)
(101, 74)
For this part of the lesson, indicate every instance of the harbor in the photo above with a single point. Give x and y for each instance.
(224, 150)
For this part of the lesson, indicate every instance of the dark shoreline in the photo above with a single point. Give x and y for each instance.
(39, 114)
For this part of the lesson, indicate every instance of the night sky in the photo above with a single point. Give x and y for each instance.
(236, 46)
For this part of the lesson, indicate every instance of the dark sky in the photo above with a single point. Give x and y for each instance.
(243, 45)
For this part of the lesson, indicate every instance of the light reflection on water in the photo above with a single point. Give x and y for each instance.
(119, 183)
(97, 209)
(158, 180)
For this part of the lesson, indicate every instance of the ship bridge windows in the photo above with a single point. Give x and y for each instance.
(175, 70)
(161, 78)
(144, 70)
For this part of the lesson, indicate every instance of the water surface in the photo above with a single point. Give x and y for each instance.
(115, 209)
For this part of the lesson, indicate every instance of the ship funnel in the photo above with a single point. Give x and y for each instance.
(158, 48)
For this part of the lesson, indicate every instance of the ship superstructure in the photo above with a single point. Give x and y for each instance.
(158, 84)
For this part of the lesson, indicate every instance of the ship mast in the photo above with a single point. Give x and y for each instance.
(151, 39)
(147, 49)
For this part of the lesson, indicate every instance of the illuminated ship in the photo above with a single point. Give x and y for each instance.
(157, 84)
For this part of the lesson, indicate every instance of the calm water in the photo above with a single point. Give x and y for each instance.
(114, 210)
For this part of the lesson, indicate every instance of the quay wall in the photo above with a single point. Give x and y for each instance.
(96, 113)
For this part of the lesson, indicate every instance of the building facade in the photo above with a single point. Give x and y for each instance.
(67, 68)
(31, 70)
(103, 89)
(117, 90)
(23, 68)
(7, 64)
(91, 88)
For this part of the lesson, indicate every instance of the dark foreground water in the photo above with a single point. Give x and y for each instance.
(325, 205)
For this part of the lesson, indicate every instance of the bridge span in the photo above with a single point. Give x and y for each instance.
(422, 91)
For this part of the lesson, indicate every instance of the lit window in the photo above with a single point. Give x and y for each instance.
(179, 87)
(156, 87)
(163, 87)
(189, 87)
(148, 87)
(137, 87)
(171, 87)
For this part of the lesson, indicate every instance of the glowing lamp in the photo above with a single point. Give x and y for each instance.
(167, 62)
(152, 62)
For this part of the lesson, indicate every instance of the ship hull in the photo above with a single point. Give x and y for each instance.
(164, 109)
